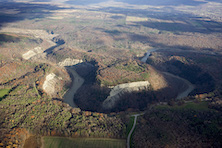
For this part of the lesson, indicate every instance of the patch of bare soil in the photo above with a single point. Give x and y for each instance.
(32, 142)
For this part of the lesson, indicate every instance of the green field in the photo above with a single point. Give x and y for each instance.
(128, 129)
(62, 142)
(3, 92)
(130, 125)
(190, 105)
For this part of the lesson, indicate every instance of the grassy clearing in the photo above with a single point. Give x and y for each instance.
(128, 129)
(131, 137)
(58, 142)
(130, 125)
(3, 92)
(190, 105)
(135, 67)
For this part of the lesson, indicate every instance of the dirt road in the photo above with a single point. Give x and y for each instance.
(131, 131)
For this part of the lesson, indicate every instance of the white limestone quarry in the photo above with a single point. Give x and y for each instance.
(42, 34)
(70, 62)
(28, 55)
(119, 90)
(50, 83)
(32, 53)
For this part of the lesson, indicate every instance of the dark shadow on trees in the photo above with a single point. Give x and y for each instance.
(165, 13)
(218, 1)
(163, 2)
(131, 36)
(207, 26)
(183, 123)
(189, 22)
(25, 11)
(182, 47)
(42, 0)
(203, 81)
(91, 95)
(140, 2)
(84, 2)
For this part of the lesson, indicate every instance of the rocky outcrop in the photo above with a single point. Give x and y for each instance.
(119, 90)
(43, 35)
(32, 53)
(70, 62)
(50, 83)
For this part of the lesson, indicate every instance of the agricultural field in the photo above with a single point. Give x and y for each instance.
(57, 142)
(3, 93)
(200, 106)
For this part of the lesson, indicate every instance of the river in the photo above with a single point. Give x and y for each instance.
(180, 95)
(77, 82)
(148, 53)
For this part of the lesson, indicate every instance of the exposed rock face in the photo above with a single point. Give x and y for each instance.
(38, 34)
(119, 90)
(32, 53)
(70, 62)
(50, 83)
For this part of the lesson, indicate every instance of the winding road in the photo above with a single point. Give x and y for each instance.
(131, 131)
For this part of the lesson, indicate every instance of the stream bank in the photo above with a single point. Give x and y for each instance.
(184, 93)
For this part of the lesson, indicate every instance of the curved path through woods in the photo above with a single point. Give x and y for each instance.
(131, 131)
(77, 82)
